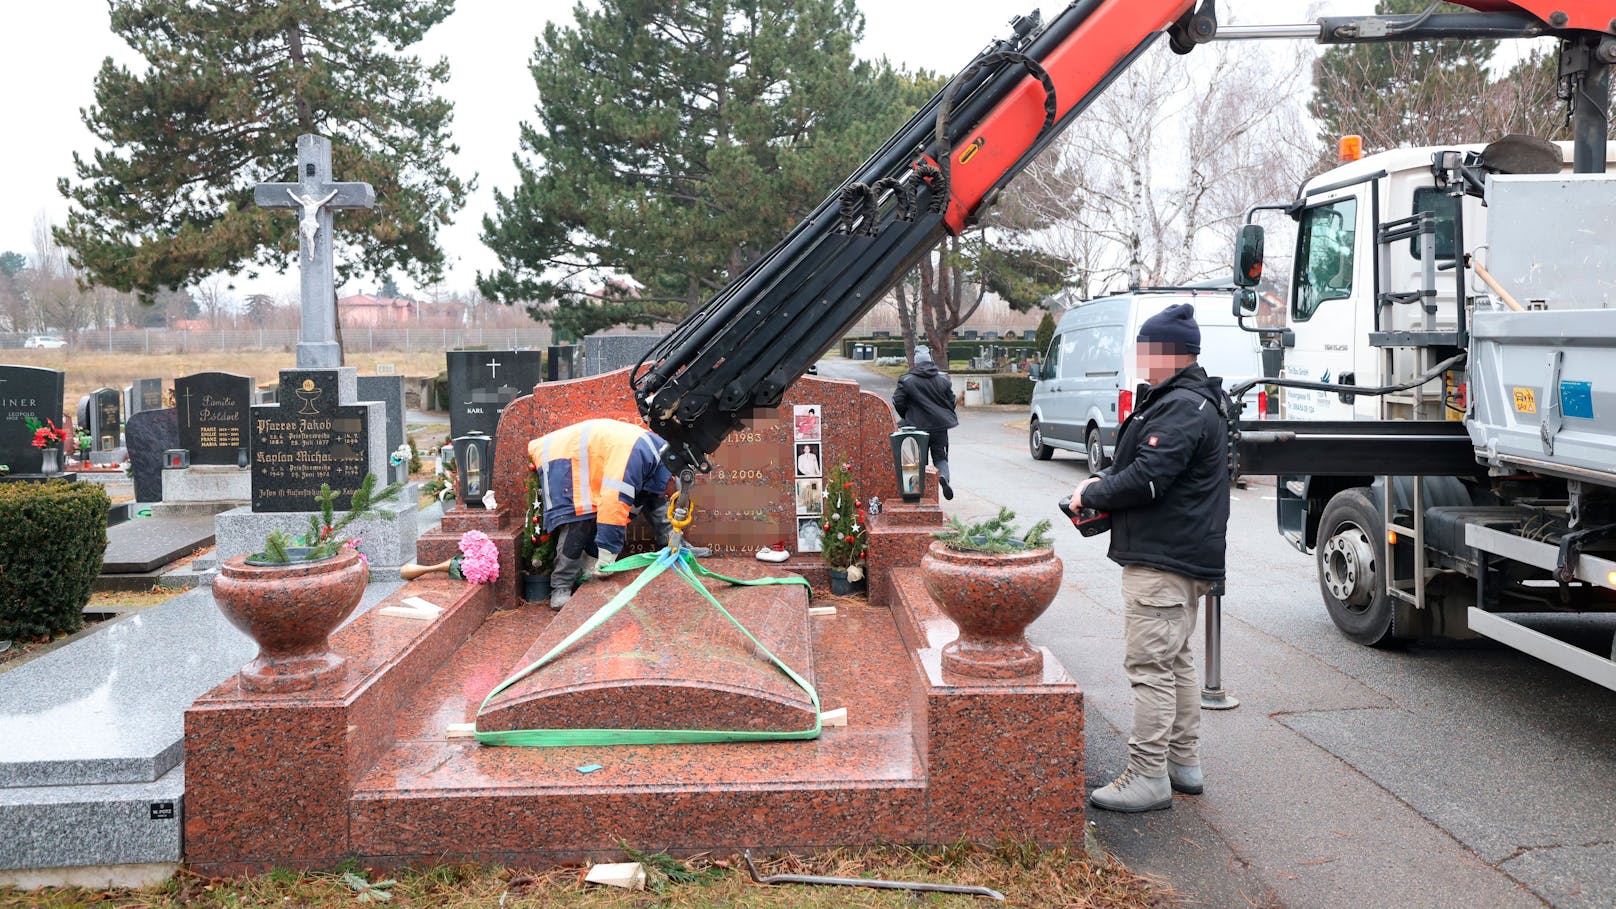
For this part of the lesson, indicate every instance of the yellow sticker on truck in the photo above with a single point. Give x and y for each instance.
(1525, 400)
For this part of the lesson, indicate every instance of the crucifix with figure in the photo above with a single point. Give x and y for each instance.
(316, 196)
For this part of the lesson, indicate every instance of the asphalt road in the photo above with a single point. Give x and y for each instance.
(1445, 774)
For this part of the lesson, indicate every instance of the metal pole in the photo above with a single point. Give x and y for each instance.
(1213, 697)
(1305, 30)
(1591, 110)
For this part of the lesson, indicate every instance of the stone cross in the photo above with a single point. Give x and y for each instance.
(316, 196)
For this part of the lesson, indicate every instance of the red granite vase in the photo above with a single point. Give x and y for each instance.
(992, 598)
(290, 610)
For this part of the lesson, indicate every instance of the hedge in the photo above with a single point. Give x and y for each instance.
(52, 538)
(1009, 389)
(958, 349)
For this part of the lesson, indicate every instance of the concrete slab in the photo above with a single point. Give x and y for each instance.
(146, 544)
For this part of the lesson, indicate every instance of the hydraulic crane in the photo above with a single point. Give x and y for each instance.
(757, 335)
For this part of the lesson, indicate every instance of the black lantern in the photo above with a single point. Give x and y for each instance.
(474, 470)
(909, 449)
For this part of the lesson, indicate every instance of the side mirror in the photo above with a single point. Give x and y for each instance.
(1035, 372)
(1248, 255)
(1245, 301)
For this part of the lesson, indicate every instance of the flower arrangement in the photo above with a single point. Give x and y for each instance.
(325, 535)
(478, 561)
(995, 535)
(46, 434)
(846, 536)
(538, 548)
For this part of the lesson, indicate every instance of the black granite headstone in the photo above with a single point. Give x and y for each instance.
(213, 416)
(27, 391)
(106, 419)
(483, 382)
(145, 394)
(148, 434)
(561, 363)
(307, 440)
(390, 391)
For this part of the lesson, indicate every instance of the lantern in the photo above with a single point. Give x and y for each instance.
(909, 450)
(473, 469)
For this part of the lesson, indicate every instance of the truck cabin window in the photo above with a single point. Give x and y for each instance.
(1324, 256)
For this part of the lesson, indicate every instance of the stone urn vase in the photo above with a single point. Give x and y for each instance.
(290, 610)
(992, 597)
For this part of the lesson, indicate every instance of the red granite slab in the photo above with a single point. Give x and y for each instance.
(669, 659)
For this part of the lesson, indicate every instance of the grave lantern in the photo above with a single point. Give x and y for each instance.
(176, 459)
(909, 447)
(472, 468)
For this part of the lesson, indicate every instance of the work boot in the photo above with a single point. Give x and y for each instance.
(559, 597)
(1133, 791)
(1185, 777)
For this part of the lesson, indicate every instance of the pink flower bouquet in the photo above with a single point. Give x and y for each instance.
(478, 561)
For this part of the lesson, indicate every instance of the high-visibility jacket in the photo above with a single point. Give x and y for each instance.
(594, 470)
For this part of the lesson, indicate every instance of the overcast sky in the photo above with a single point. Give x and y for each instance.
(51, 50)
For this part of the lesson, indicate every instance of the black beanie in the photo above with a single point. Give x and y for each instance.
(1174, 325)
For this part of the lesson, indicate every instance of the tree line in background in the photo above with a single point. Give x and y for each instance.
(674, 144)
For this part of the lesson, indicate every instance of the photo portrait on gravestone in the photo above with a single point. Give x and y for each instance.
(805, 422)
(810, 497)
(808, 463)
(810, 538)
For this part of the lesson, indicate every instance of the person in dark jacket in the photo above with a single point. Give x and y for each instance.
(925, 400)
(1168, 496)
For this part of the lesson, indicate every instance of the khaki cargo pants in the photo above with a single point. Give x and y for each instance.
(1161, 607)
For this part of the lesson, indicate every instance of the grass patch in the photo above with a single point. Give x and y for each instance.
(1026, 875)
(133, 597)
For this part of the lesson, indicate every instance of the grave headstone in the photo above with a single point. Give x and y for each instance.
(27, 391)
(147, 435)
(145, 394)
(561, 363)
(604, 353)
(213, 416)
(389, 390)
(309, 440)
(483, 382)
(106, 419)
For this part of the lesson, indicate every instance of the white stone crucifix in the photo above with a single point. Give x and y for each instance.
(316, 196)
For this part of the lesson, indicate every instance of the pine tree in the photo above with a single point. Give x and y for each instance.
(674, 144)
(1046, 333)
(846, 535)
(227, 89)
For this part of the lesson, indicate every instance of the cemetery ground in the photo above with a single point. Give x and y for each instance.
(1027, 876)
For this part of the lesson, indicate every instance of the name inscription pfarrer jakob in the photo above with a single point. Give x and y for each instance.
(304, 442)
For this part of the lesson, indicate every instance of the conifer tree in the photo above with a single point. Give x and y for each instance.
(226, 90)
(674, 144)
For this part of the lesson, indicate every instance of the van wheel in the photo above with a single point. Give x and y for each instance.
(1035, 443)
(1351, 556)
(1097, 461)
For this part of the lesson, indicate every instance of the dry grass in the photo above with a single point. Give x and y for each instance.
(126, 598)
(1026, 875)
(89, 370)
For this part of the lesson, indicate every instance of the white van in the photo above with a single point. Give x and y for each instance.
(1086, 384)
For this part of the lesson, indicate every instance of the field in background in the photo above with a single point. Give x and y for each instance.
(89, 370)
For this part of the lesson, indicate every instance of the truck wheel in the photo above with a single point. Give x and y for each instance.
(1035, 443)
(1096, 451)
(1351, 554)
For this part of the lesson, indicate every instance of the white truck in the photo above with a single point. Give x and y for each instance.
(1446, 441)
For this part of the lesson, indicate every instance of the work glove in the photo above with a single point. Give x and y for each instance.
(606, 558)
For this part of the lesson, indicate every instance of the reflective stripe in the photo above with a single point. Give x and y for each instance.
(1152, 489)
(622, 487)
(580, 470)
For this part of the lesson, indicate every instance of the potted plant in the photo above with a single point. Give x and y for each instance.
(48, 439)
(536, 547)
(993, 580)
(293, 594)
(846, 534)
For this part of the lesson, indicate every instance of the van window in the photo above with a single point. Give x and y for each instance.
(1052, 359)
(1324, 256)
(1445, 207)
(1071, 354)
(1103, 356)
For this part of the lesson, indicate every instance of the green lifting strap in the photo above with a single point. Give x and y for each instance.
(685, 565)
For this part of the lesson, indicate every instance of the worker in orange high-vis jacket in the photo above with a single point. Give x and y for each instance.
(596, 475)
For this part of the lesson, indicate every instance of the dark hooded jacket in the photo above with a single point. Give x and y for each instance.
(1168, 490)
(925, 398)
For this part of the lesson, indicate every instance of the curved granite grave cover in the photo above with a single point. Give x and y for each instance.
(669, 660)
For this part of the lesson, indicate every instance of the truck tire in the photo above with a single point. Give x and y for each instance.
(1351, 554)
(1035, 443)
(1096, 452)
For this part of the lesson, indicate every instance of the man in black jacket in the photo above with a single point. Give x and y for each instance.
(925, 400)
(1168, 496)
